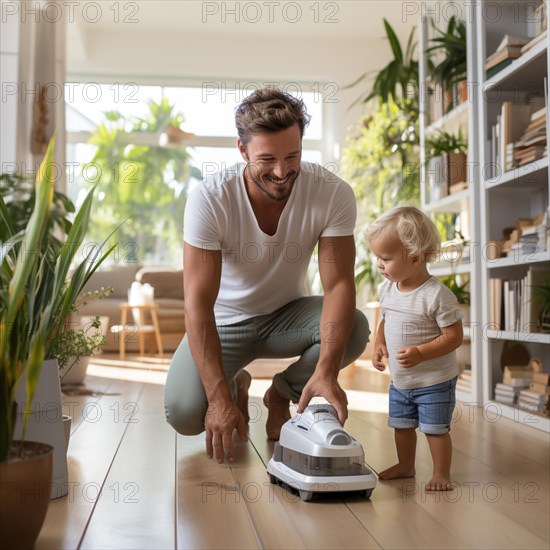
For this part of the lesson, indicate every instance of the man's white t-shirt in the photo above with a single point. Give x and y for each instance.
(414, 318)
(261, 273)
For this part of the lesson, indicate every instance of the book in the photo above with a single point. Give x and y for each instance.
(497, 68)
(539, 388)
(541, 378)
(512, 40)
(508, 52)
(534, 41)
(514, 118)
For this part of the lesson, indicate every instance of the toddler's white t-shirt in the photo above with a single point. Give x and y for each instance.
(414, 318)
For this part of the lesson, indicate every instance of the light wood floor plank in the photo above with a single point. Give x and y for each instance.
(483, 499)
(91, 453)
(188, 501)
(137, 506)
(210, 510)
(323, 523)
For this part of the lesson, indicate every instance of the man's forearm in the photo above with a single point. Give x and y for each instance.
(204, 343)
(337, 320)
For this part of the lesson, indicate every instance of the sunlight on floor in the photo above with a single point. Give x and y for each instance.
(152, 370)
(357, 400)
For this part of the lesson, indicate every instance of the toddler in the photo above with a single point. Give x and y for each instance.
(420, 330)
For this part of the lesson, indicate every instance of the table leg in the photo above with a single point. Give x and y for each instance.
(157, 332)
(122, 333)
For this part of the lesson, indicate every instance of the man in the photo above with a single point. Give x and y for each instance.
(249, 233)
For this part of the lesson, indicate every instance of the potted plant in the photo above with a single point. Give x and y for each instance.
(450, 73)
(39, 283)
(446, 158)
(460, 290)
(73, 349)
(542, 293)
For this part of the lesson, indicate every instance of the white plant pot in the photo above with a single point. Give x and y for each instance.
(75, 371)
(45, 422)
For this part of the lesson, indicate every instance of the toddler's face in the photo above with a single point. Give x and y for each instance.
(393, 261)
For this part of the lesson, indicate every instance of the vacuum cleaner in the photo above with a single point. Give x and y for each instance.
(316, 455)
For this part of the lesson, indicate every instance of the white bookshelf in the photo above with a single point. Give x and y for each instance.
(492, 203)
(518, 193)
(463, 203)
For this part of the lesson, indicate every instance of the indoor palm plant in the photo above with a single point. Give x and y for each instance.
(39, 283)
(450, 72)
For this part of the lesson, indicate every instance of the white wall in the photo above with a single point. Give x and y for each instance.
(9, 60)
(129, 55)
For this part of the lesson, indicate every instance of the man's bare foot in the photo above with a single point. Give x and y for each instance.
(243, 381)
(397, 471)
(440, 482)
(278, 413)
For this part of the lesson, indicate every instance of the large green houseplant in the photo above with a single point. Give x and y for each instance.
(39, 284)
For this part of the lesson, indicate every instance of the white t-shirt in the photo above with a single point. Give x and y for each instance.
(414, 318)
(261, 273)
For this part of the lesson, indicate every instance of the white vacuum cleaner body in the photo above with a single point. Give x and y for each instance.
(316, 455)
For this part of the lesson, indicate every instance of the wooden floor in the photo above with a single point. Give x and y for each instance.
(135, 484)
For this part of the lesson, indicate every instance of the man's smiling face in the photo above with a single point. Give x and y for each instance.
(274, 161)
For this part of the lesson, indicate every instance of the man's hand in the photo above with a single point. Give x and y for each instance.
(325, 386)
(409, 357)
(380, 352)
(221, 419)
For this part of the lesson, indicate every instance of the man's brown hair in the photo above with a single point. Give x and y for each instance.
(269, 110)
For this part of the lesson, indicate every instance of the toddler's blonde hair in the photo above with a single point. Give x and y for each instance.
(416, 231)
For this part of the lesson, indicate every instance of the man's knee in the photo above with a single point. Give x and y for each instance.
(184, 419)
(359, 336)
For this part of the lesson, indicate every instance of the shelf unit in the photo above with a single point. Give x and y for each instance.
(463, 203)
(492, 203)
(521, 192)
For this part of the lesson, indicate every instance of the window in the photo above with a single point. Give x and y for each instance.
(116, 141)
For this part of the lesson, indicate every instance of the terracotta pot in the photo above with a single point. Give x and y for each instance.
(25, 495)
(462, 91)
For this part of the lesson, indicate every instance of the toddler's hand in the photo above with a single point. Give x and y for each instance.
(378, 356)
(409, 357)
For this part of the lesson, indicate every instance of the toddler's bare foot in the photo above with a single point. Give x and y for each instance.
(397, 471)
(278, 413)
(243, 381)
(440, 482)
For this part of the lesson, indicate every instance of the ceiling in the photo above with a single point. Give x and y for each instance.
(343, 19)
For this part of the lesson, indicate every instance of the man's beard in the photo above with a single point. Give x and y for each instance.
(292, 176)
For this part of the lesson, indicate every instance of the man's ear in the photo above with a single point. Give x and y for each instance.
(242, 149)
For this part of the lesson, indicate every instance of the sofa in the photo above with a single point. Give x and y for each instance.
(168, 285)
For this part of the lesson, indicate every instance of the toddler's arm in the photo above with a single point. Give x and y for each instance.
(450, 339)
(380, 349)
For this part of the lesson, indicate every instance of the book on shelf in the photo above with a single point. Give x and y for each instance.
(457, 187)
(503, 54)
(513, 301)
(489, 73)
(534, 41)
(512, 40)
(542, 378)
(539, 388)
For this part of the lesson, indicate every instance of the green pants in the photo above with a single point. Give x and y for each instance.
(290, 331)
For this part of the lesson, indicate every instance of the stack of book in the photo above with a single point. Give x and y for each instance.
(533, 144)
(527, 236)
(464, 382)
(532, 401)
(518, 376)
(504, 393)
(508, 50)
(514, 303)
(518, 135)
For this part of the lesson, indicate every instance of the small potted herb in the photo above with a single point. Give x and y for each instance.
(461, 292)
(446, 157)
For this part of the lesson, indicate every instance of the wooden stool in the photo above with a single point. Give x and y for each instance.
(141, 329)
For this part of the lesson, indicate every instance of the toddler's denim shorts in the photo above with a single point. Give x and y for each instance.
(430, 408)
